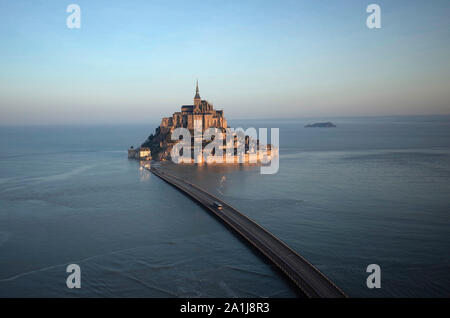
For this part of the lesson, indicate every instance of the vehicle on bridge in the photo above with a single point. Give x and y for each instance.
(217, 205)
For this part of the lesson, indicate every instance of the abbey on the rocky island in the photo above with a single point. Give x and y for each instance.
(240, 148)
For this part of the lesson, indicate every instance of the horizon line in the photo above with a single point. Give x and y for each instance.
(229, 119)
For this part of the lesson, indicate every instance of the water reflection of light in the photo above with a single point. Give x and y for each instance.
(222, 183)
(144, 175)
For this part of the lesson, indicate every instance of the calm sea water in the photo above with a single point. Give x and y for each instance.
(373, 190)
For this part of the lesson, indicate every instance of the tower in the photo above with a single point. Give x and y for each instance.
(197, 99)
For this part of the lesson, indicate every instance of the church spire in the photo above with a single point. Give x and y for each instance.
(197, 94)
(197, 99)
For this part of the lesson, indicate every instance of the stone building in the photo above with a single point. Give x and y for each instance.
(141, 153)
(131, 153)
(200, 110)
(144, 153)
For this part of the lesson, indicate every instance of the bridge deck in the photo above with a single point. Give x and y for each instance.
(308, 278)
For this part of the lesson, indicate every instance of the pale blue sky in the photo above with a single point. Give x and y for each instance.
(134, 61)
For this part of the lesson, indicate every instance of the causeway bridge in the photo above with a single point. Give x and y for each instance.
(311, 282)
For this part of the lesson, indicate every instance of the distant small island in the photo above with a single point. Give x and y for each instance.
(321, 125)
